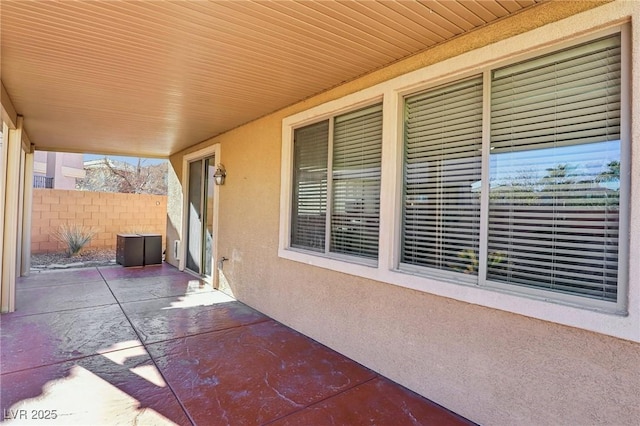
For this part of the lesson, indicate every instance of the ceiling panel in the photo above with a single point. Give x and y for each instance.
(152, 78)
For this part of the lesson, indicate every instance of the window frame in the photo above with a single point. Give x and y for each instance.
(326, 253)
(623, 320)
(481, 280)
(441, 273)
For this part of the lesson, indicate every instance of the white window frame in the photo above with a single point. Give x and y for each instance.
(366, 261)
(327, 258)
(619, 307)
(622, 321)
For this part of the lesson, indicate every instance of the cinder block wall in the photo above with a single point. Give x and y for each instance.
(108, 213)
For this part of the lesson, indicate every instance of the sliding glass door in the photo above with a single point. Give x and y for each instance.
(200, 217)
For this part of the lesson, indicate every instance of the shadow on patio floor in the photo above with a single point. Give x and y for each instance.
(114, 345)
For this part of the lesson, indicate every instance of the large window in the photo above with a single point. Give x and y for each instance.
(336, 185)
(552, 182)
(442, 164)
(502, 182)
(555, 171)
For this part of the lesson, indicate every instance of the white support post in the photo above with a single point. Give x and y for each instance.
(20, 208)
(3, 185)
(11, 217)
(27, 208)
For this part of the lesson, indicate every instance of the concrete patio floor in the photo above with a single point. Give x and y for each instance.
(153, 345)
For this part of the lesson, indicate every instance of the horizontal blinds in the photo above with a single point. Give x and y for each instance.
(569, 97)
(357, 156)
(310, 186)
(442, 172)
(555, 172)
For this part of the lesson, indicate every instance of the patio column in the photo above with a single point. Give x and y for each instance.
(27, 208)
(12, 220)
(20, 211)
(3, 185)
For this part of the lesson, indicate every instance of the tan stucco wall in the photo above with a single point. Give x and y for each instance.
(174, 210)
(491, 366)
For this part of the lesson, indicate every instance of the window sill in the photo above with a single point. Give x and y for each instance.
(328, 261)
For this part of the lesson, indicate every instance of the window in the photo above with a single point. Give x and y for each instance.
(555, 171)
(442, 164)
(336, 185)
(506, 185)
(310, 187)
(552, 202)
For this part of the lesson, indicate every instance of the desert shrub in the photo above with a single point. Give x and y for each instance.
(74, 236)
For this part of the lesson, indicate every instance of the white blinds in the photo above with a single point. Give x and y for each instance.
(357, 155)
(566, 98)
(542, 204)
(442, 171)
(555, 171)
(349, 184)
(310, 186)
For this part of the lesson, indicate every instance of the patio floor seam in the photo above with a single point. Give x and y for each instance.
(17, 314)
(320, 401)
(35, 286)
(208, 332)
(153, 360)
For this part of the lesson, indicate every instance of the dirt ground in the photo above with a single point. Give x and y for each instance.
(87, 257)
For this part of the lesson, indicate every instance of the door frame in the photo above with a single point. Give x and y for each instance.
(210, 151)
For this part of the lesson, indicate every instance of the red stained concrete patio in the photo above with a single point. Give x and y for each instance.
(154, 345)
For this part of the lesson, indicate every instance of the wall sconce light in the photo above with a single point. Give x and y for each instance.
(220, 175)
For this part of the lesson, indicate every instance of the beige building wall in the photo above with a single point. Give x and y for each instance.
(63, 167)
(491, 366)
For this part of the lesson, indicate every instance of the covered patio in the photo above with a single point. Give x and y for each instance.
(333, 219)
(154, 345)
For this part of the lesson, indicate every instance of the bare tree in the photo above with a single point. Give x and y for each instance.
(114, 176)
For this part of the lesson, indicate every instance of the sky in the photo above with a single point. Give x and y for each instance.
(584, 162)
(131, 160)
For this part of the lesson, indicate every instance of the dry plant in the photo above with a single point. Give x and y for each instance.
(74, 236)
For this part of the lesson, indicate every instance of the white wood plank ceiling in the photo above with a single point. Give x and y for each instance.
(149, 78)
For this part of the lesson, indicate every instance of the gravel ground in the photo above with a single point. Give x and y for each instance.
(86, 258)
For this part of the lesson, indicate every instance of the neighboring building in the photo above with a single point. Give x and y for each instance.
(57, 170)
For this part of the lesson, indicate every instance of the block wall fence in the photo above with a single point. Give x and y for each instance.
(106, 212)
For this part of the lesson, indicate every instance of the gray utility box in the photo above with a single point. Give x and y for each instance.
(152, 249)
(130, 250)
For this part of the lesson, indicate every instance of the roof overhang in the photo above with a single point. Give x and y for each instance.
(152, 78)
